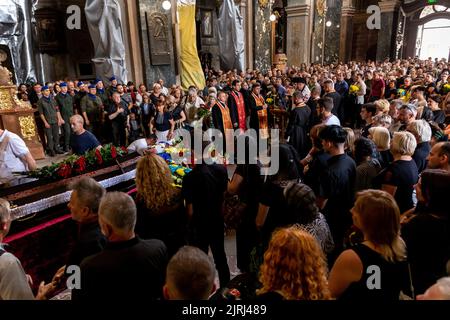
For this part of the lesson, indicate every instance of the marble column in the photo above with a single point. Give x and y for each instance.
(152, 71)
(299, 27)
(386, 36)
(247, 14)
(332, 32)
(134, 48)
(346, 35)
(262, 37)
(317, 33)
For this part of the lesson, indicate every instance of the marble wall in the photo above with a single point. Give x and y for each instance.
(317, 36)
(209, 44)
(154, 72)
(386, 38)
(262, 37)
(332, 32)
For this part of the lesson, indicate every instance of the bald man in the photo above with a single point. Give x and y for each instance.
(81, 140)
(439, 157)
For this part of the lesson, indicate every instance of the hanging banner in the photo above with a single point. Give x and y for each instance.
(105, 27)
(231, 37)
(191, 69)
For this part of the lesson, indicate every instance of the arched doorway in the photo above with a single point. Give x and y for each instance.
(433, 33)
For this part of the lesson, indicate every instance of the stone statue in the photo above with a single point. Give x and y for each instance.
(5, 74)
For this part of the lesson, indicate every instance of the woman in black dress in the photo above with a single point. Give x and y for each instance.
(376, 269)
(427, 230)
(178, 115)
(402, 174)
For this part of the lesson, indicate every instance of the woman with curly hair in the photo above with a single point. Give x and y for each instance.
(294, 268)
(160, 208)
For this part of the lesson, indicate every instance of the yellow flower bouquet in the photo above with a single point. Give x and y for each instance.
(353, 89)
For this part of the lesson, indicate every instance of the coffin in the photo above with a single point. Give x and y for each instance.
(42, 232)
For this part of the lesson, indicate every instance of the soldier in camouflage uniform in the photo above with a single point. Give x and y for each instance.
(92, 111)
(49, 112)
(65, 105)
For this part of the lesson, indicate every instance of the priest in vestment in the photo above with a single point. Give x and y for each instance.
(222, 120)
(236, 103)
(259, 112)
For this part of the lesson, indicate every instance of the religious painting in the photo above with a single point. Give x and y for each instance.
(49, 30)
(207, 23)
(158, 37)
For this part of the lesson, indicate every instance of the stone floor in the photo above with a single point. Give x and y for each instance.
(49, 160)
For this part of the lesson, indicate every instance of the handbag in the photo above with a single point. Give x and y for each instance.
(233, 209)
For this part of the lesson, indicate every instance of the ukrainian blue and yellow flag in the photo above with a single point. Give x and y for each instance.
(191, 69)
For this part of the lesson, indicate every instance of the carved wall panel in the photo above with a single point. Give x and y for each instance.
(158, 37)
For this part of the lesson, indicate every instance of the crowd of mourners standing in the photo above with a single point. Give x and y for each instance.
(362, 181)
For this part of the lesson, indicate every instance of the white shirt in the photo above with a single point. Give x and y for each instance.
(13, 281)
(332, 120)
(11, 161)
(191, 111)
(165, 91)
(139, 146)
(361, 92)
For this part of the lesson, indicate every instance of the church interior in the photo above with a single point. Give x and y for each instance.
(289, 66)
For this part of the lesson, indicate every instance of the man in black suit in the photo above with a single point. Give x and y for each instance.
(128, 268)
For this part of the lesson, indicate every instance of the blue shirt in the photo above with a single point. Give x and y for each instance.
(83, 142)
(341, 87)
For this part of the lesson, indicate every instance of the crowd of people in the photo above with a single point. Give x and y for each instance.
(360, 192)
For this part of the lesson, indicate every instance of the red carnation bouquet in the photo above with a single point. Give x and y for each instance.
(79, 165)
(64, 170)
(75, 165)
(98, 156)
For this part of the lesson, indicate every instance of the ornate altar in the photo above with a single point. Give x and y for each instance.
(18, 116)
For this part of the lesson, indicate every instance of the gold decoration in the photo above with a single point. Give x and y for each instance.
(263, 3)
(21, 104)
(321, 6)
(5, 99)
(5, 77)
(27, 127)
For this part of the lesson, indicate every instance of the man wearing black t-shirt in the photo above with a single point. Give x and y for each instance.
(118, 114)
(336, 184)
(203, 190)
(368, 111)
(128, 268)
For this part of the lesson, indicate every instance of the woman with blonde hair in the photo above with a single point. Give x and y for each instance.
(350, 142)
(382, 106)
(375, 269)
(294, 268)
(382, 139)
(402, 174)
(160, 208)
